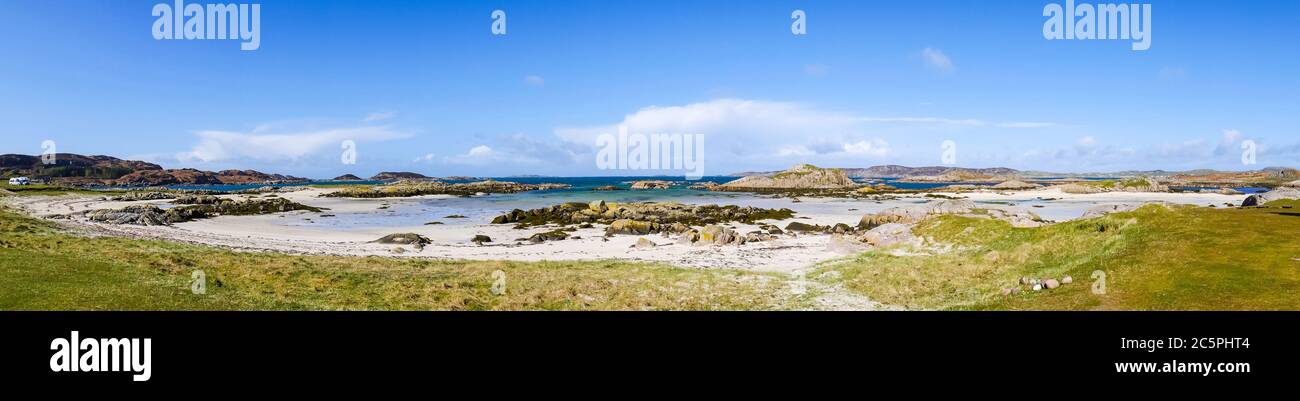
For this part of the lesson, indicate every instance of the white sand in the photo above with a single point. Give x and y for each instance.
(451, 241)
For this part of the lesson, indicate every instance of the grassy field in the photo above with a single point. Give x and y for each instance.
(48, 190)
(44, 269)
(1154, 258)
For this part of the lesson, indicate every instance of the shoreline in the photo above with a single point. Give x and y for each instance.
(292, 232)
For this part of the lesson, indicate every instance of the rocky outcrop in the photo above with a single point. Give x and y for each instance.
(652, 184)
(1292, 184)
(409, 188)
(719, 235)
(198, 208)
(347, 177)
(1015, 185)
(1276, 194)
(1141, 184)
(963, 207)
(916, 213)
(802, 176)
(639, 218)
(890, 234)
(397, 175)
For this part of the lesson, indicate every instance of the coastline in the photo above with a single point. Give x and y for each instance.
(298, 233)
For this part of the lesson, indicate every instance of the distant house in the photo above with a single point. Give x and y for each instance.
(19, 181)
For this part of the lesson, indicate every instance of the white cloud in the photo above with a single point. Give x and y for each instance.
(427, 158)
(480, 151)
(877, 148)
(380, 116)
(1025, 124)
(934, 58)
(216, 146)
(533, 80)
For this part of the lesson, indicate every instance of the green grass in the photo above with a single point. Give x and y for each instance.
(42, 268)
(1154, 258)
(50, 190)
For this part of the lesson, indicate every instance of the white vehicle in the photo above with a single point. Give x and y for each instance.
(19, 181)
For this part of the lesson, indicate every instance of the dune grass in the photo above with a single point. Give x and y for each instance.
(49, 190)
(1153, 258)
(42, 268)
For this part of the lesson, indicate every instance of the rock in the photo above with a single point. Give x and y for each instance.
(1051, 283)
(480, 239)
(1037, 287)
(555, 235)
(1024, 280)
(710, 234)
(142, 215)
(597, 206)
(1292, 184)
(607, 188)
(688, 237)
(662, 215)
(642, 243)
(846, 245)
(1067, 280)
(1102, 210)
(1276, 194)
(889, 235)
(804, 227)
(625, 226)
(801, 176)
(454, 216)
(1015, 184)
(419, 241)
(841, 228)
(652, 184)
(914, 214)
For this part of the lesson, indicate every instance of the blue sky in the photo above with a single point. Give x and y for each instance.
(424, 86)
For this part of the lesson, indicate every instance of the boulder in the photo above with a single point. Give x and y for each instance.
(916, 213)
(626, 226)
(555, 235)
(1067, 280)
(1276, 194)
(419, 241)
(598, 206)
(642, 243)
(652, 184)
(480, 239)
(889, 235)
(1051, 283)
(804, 227)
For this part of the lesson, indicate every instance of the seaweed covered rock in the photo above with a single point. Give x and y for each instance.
(654, 216)
(148, 215)
(419, 241)
(142, 215)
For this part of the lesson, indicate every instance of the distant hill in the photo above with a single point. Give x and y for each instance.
(74, 169)
(347, 177)
(896, 171)
(398, 175)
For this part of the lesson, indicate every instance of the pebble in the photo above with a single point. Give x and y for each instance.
(1051, 284)
(1037, 287)
(1067, 280)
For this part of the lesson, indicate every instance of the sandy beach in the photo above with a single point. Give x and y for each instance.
(315, 233)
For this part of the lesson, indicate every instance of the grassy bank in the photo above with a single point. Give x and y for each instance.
(1154, 258)
(42, 268)
(49, 190)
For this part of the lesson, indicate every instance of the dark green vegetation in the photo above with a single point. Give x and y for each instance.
(1153, 258)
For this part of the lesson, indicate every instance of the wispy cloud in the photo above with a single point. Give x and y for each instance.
(937, 60)
(263, 145)
(534, 80)
(380, 116)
